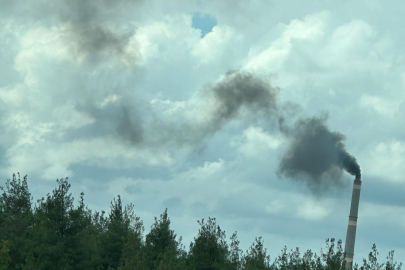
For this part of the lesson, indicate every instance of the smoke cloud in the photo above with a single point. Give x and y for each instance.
(215, 106)
(315, 154)
(90, 25)
(237, 91)
(87, 20)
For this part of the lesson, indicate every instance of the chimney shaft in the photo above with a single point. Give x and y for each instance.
(351, 228)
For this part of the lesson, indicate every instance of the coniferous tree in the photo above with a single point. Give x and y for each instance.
(16, 219)
(209, 250)
(133, 255)
(53, 238)
(162, 249)
(84, 242)
(57, 235)
(121, 223)
(90, 237)
(114, 236)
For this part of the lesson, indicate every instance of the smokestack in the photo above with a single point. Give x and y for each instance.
(351, 228)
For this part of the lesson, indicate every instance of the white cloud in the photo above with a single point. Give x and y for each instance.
(275, 207)
(311, 210)
(220, 42)
(386, 160)
(347, 60)
(349, 39)
(254, 141)
(50, 158)
(272, 58)
(380, 105)
(378, 214)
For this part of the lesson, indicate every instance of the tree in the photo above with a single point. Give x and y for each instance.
(133, 255)
(209, 250)
(4, 255)
(235, 253)
(16, 219)
(84, 243)
(334, 258)
(53, 236)
(391, 265)
(256, 257)
(372, 262)
(163, 251)
(121, 223)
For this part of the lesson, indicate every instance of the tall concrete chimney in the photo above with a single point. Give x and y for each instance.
(351, 228)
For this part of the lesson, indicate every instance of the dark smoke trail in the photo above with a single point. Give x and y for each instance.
(240, 90)
(88, 24)
(219, 104)
(316, 154)
(88, 19)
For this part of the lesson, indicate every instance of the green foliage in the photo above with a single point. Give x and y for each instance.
(4, 255)
(235, 253)
(121, 223)
(16, 218)
(54, 238)
(133, 256)
(256, 257)
(372, 261)
(162, 249)
(390, 264)
(209, 249)
(334, 258)
(56, 234)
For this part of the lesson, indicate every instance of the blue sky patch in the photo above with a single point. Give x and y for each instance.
(204, 22)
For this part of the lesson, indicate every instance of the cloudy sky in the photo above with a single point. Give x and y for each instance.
(201, 107)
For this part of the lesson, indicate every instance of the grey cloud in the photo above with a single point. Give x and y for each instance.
(199, 209)
(379, 191)
(174, 205)
(173, 202)
(133, 189)
(234, 207)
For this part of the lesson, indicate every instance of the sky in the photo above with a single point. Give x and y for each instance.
(207, 107)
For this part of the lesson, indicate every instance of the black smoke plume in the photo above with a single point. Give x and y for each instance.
(315, 154)
(220, 103)
(237, 91)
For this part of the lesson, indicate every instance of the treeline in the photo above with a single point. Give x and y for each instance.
(56, 234)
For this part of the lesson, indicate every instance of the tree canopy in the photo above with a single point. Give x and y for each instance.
(56, 233)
